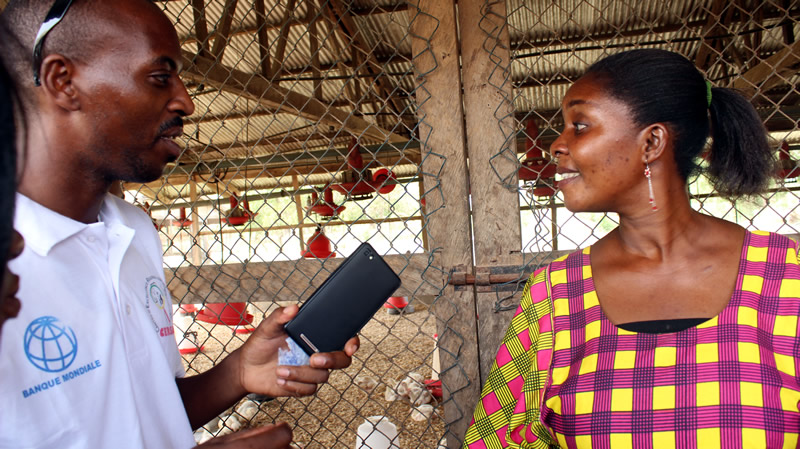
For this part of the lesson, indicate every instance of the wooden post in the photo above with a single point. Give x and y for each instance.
(493, 166)
(195, 217)
(441, 133)
(298, 202)
(422, 213)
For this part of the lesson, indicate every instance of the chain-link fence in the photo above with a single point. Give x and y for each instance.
(317, 128)
(748, 45)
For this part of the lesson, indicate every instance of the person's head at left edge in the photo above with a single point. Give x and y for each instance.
(101, 92)
(11, 242)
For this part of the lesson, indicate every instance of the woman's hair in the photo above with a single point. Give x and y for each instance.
(664, 87)
(8, 162)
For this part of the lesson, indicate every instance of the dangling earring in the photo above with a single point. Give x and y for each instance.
(650, 186)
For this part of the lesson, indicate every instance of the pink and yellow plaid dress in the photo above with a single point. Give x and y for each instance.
(565, 376)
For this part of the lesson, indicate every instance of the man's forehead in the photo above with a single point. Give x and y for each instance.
(126, 30)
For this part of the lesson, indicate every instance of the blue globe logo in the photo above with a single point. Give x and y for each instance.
(50, 345)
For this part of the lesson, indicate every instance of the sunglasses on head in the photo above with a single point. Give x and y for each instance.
(53, 17)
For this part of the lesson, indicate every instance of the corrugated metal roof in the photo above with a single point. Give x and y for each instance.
(551, 42)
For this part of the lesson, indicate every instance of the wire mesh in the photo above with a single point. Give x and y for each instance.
(306, 140)
(749, 45)
(303, 145)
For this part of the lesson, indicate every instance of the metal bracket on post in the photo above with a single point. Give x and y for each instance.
(489, 279)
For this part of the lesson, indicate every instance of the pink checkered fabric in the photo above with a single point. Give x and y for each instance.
(732, 381)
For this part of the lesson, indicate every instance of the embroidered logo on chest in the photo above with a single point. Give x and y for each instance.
(158, 306)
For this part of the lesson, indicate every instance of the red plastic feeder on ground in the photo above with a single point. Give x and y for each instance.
(230, 314)
(435, 387)
(187, 309)
(188, 344)
(397, 304)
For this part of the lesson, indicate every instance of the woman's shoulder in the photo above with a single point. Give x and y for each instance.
(766, 239)
(537, 288)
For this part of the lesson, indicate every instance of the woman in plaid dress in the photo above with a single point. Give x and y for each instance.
(677, 329)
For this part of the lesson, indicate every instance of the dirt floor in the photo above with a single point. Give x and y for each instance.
(392, 346)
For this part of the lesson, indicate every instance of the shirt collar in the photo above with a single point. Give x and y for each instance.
(44, 228)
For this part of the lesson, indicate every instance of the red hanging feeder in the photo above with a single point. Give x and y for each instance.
(182, 222)
(788, 167)
(318, 246)
(537, 167)
(360, 183)
(326, 207)
(238, 215)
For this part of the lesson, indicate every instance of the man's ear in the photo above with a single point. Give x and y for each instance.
(56, 77)
(654, 142)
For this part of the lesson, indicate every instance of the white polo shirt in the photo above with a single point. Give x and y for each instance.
(91, 360)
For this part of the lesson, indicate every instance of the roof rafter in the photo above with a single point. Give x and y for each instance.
(371, 67)
(262, 91)
(771, 72)
(223, 30)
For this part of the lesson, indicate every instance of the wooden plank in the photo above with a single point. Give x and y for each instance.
(274, 141)
(262, 91)
(491, 146)
(223, 30)
(703, 58)
(200, 26)
(298, 201)
(282, 40)
(370, 11)
(263, 38)
(771, 72)
(372, 68)
(313, 45)
(258, 171)
(422, 208)
(195, 217)
(290, 280)
(444, 166)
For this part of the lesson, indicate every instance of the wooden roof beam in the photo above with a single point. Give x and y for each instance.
(274, 142)
(372, 68)
(263, 92)
(283, 36)
(304, 20)
(788, 27)
(263, 39)
(314, 48)
(703, 57)
(252, 172)
(200, 26)
(771, 72)
(223, 30)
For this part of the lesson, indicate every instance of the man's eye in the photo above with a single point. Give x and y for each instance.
(162, 78)
(579, 127)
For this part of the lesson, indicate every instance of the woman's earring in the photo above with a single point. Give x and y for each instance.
(650, 186)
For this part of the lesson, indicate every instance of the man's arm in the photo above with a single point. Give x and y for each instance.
(254, 368)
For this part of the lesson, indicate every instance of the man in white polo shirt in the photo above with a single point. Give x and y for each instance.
(90, 362)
